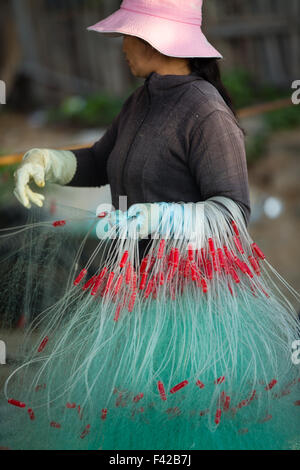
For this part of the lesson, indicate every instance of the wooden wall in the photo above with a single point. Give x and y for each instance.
(261, 35)
(62, 58)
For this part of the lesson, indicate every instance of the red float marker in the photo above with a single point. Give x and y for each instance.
(247, 270)
(228, 254)
(238, 244)
(117, 313)
(144, 264)
(227, 403)
(128, 273)
(124, 259)
(234, 275)
(172, 271)
(176, 257)
(252, 396)
(143, 281)
(103, 413)
(43, 344)
(17, 403)
(218, 416)
(161, 249)
(240, 264)
(59, 223)
(119, 283)
(254, 264)
(53, 424)
(230, 289)
(190, 253)
(133, 281)
(234, 226)
(215, 264)
(161, 278)
(256, 250)
(203, 255)
(138, 397)
(221, 257)
(186, 269)
(149, 288)
(79, 411)
(31, 414)
(194, 271)
(204, 285)
(271, 384)
(171, 256)
(242, 404)
(161, 390)
(179, 386)
(108, 283)
(153, 259)
(98, 281)
(85, 432)
(71, 405)
(154, 292)
(211, 246)
(200, 384)
(131, 302)
(220, 380)
(89, 283)
(80, 277)
(208, 269)
(102, 215)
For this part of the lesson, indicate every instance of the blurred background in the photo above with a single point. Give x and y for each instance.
(64, 85)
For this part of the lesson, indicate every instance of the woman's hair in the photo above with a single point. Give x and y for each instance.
(208, 68)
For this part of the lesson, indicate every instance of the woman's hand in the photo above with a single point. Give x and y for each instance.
(40, 165)
(138, 222)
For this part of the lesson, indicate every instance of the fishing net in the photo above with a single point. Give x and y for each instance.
(182, 341)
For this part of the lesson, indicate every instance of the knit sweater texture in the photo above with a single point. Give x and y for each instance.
(174, 140)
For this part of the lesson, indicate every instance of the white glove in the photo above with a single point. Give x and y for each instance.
(54, 166)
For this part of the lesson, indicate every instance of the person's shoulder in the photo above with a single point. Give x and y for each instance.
(208, 104)
(207, 96)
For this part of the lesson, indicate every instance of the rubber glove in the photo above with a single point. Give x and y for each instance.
(41, 165)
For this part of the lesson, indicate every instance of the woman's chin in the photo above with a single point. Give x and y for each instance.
(137, 73)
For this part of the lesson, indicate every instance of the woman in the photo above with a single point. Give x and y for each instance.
(190, 347)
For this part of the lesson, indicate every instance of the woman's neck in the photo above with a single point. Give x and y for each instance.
(173, 66)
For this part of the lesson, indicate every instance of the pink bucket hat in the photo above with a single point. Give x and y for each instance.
(173, 27)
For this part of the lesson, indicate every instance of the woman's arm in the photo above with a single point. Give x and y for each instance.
(217, 159)
(91, 161)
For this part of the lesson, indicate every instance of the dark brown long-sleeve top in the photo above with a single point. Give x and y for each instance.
(175, 140)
